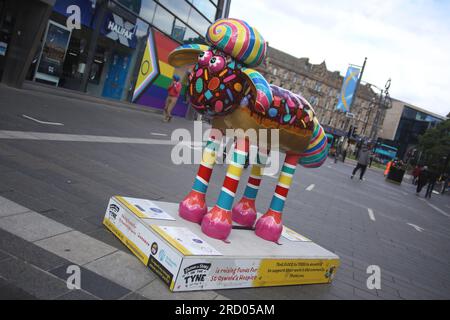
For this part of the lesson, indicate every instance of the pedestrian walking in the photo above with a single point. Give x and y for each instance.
(173, 91)
(370, 160)
(388, 167)
(416, 173)
(337, 152)
(344, 155)
(445, 182)
(432, 177)
(422, 180)
(363, 161)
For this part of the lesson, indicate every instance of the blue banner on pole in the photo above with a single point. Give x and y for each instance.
(348, 89)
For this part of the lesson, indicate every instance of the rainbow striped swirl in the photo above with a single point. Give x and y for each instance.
(316, 153)
(237, 39)
(264, 96)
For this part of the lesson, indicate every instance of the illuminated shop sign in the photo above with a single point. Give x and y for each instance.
(120, 30)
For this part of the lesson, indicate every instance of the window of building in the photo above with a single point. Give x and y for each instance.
(146, 11)
(198, 22)
(314, 101)
(181, 9)
(206, 7)
(182, 19)
(163, 20)
(318, 87)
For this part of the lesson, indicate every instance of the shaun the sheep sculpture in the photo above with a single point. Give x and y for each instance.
(223, 86)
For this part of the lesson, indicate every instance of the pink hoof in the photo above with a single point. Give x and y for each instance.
(217, 223)
(193, 208)
(244, 212)
(269, 226)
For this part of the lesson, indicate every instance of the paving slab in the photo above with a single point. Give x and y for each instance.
(93, 283)
(76, 247)
(10, 292)
(77, 295)
(29, 202)
(32, 280)
(4, 255)
(8, 207)
(134, 296)
(27, 251)
(32, 226)
(123, 269)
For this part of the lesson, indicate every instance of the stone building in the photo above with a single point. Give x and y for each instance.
(322, 88)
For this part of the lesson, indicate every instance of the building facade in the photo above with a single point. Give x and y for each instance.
(116, 49)
(322, 88)
(404, 124)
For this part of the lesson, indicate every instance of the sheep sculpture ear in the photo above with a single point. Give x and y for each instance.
(260, 88)
(186, 54)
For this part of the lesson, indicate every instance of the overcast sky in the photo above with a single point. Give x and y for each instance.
(406, 40)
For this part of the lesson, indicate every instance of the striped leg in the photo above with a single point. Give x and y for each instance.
(244, 212)
(217, 222)
(193, 207)
(269, 226)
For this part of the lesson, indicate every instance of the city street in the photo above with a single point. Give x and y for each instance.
(62, 158)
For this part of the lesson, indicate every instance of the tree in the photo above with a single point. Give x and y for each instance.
(435, 146)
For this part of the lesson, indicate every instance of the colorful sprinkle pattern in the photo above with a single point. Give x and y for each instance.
(286, 108)
(237, 39)
(217, 91)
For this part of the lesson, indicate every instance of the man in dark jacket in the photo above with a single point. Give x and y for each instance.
(363, 161)
(432, 177)
(422, 180)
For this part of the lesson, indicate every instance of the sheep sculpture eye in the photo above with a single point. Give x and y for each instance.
(204, 58)
(216, 64)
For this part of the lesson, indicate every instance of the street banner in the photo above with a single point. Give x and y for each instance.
(348, 89)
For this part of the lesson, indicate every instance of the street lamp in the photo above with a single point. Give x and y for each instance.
(384, 103)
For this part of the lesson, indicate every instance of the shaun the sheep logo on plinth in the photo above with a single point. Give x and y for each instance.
(223, 87)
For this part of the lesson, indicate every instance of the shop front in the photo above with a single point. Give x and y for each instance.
(101, 57)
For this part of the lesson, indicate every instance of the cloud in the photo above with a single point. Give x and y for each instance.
(405, 40)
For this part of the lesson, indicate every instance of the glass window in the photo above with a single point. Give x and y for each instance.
(179, 8)
(147, 11)
(206, 8)
(179, 30)
(198, 23)
(163, 20)
(190, 36)
(133, 5)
